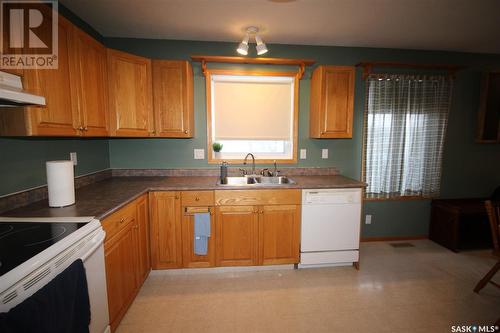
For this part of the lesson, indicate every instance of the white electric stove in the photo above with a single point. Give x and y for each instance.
(35, 250)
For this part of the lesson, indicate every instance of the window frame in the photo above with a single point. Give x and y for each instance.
(208, 92)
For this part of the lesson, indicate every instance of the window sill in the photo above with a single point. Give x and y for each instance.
(257, 161)
(400, 198)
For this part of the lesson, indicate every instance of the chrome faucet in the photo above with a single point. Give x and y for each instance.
(276, 171)
(253, 162)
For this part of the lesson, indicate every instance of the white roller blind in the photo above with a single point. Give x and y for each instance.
(252, 107)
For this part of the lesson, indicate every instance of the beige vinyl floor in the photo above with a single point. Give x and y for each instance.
(425, 288)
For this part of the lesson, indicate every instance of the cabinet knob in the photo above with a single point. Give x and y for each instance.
(80, 128)
(122, 220)
(85, 128)
(153, 132)
(262, 212)
(197, 199)
(177, 197)
(185, 131)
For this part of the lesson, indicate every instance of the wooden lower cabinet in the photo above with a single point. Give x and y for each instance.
(236, 235)
(279, 234)
(126, 254)
(142, 235)
(264, 233)
(189, 258)
(166, 234)
(121, 280)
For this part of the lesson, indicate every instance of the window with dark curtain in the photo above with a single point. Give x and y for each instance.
(405, 126)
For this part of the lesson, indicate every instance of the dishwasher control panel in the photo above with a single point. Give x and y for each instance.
(331, 196)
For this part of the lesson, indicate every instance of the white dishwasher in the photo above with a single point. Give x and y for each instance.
(331, 220)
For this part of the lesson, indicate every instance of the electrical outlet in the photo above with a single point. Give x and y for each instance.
(368, 219)
(199, 154)
(303, 154)
(324, 154)
(73, 157)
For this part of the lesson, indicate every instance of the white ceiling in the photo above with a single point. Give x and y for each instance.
(455, 25)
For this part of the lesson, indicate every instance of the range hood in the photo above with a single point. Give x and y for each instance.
(12, 93)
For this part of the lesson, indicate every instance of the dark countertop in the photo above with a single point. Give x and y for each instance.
(103, 198)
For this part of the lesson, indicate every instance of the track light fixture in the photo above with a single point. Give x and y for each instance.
(243, 46)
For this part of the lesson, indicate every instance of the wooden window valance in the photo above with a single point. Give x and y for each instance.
(369, 65)
(302, 63)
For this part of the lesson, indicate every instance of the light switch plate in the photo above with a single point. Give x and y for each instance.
(324, 153)
(368, 219)
(199, 154)
(73, 157)
(303, 154)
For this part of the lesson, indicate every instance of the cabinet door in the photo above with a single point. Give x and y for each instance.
(173, 98)
(166, 235)
(236, 235)
(89, 71)
(121, 278)
(130, 96)
(142, 235)
(189, 258)
(279, 234)
(60, 115)
(332, 102)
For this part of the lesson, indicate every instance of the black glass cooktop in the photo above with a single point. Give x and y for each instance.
(19, 241)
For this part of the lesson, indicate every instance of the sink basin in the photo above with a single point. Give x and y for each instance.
(255, 181)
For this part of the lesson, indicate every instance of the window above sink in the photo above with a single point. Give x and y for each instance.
(252, 112)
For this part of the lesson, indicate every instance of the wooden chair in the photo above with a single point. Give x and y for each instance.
(493, 210)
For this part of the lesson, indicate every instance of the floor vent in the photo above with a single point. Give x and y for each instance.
(398, 245)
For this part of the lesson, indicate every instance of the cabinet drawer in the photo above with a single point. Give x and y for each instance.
(197, 198)
(119, 220)
(257, 197)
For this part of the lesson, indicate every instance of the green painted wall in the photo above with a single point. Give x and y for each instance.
(469, 169)
(22, 161)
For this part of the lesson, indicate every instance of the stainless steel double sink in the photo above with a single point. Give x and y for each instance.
(255, 180)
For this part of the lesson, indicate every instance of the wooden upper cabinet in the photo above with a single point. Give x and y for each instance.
(130, 94)
(332, 102)
(60, 115)
(166, 234)
(236, 235)
(89, 70)
(279, 234)
(488, 125)
(173, 98)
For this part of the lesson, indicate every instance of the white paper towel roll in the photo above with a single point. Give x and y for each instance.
(61, 183)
